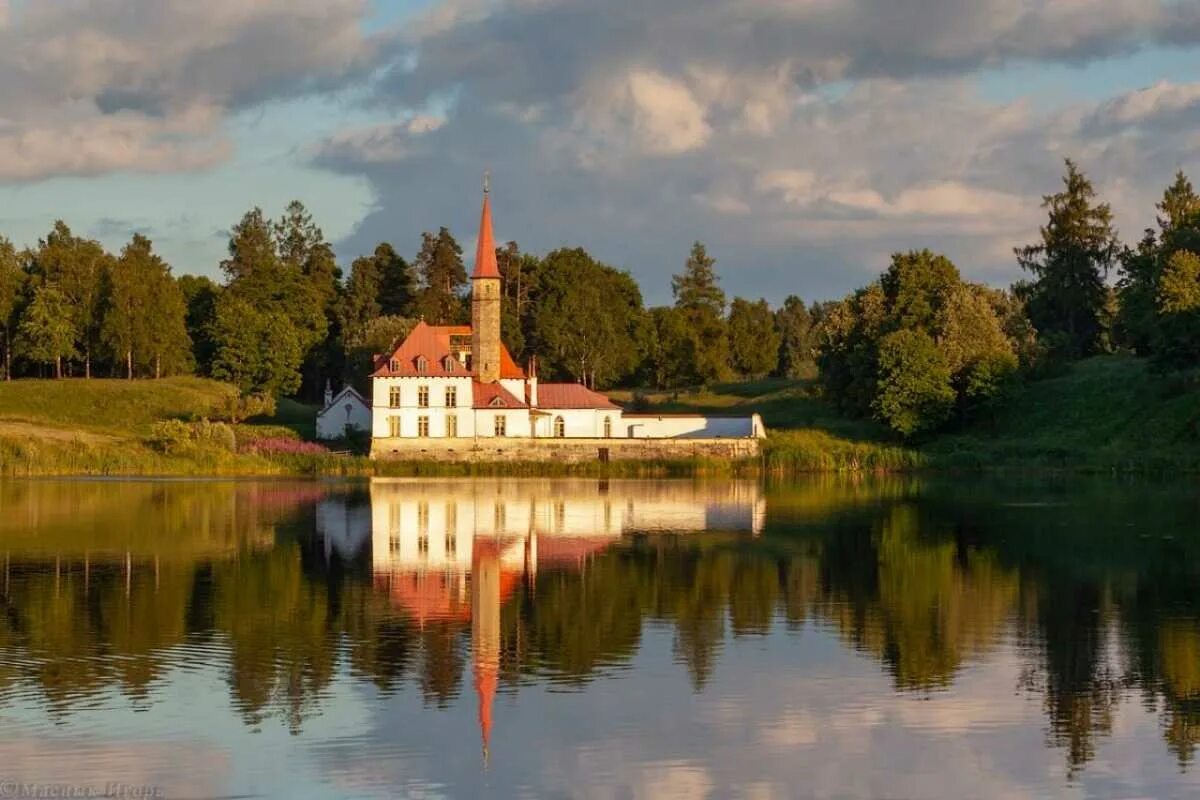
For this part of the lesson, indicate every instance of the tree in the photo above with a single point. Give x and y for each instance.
(672, 356)
(259, 351)
(794, 324)
(587, 319)
(76, 268)
(165, 340)
(45, 334)
(12, 284)
(127, 297)
(702, 303)
(1069, 265)
(1179, 310)
(917, 286)
(443, 278)
(200, 299)
(360, 302)
(915, 394)
(397, 285)
(753, 339)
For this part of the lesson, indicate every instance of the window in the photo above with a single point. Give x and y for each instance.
(497, 402)
(451, 426)
(394, 427)
(501, 425)
(423, 396)
(448, 363)
(499, 517)
(393, 366)
(451, 397)
(423, 546)
(560, 427)
(451, 544)
(422, 364)
(423, 427)
(608, 427)
(393, 396)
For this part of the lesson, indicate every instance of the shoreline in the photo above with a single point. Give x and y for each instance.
(784, 454)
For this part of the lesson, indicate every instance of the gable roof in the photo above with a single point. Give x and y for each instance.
(571, 395)
(493, 395)
(337, 399)
(433, 342)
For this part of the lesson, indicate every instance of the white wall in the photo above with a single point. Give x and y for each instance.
(693, 426)
(409, 411)
(346, 410)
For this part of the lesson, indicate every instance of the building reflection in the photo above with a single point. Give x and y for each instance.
(447, 552)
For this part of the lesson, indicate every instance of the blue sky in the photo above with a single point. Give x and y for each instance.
(802, 142)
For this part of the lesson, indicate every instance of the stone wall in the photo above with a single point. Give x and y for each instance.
(566, 451)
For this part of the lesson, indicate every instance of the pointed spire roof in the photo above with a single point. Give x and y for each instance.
(485, 253)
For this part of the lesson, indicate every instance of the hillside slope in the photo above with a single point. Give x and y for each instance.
(1106, 412)
(113, 407)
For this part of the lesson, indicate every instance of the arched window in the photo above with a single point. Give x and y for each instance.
(422, 364)
(560, 427)
(608, 427)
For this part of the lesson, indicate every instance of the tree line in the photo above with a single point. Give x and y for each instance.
(917, 349)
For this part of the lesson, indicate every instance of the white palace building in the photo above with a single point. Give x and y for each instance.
(446, 388)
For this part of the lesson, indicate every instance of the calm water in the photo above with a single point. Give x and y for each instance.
(614, 639)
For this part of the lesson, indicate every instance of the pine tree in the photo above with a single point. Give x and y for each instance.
(397, 286)
(797, 344)
(702, 304)
(443, 278)
(1069, 264)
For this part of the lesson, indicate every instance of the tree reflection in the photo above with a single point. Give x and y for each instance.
(119, 585)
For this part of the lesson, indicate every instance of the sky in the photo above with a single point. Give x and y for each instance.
(802, 141)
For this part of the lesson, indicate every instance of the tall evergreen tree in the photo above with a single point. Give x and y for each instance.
(397, 285)
(753, 338)
(702, 303)
(443, 277)
(1078, 244)
(12, 284)
(360, 301)
(46, 334)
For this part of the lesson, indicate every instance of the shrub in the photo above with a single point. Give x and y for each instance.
(169, 436)
(281, 445)
(914, 392)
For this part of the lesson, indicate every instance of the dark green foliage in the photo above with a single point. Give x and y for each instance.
(144, 314)
(702, 303)
(397, 285)
(443, 278)
(797, 339)
(672, 350)
(587, 320)
(957, 345)
(12, 285)
(200, 298)
(259, 351)
(1066, 299)
(914, 393)
(753, 338)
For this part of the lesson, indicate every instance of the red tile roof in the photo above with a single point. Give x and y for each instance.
(493, 395)
(571, 395)
(485, 252)
(433, 342)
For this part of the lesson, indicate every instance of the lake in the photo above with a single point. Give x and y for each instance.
(903, 637)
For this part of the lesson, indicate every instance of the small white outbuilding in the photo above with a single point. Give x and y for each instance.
(346, 410)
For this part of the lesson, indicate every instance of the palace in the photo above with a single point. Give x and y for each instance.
(447, 387)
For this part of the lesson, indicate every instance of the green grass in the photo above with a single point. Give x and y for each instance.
(1106, 414)
(115, 407)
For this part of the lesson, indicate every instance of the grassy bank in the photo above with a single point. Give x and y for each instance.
(1107, 414)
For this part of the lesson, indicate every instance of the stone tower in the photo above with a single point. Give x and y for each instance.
(485, 300)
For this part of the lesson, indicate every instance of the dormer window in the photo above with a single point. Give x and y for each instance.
(497, 402)
(393, 366)
(422, 364)
(448, 363)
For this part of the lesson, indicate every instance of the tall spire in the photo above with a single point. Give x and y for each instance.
(485, 253)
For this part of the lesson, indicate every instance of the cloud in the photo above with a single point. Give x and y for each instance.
(88, 88)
